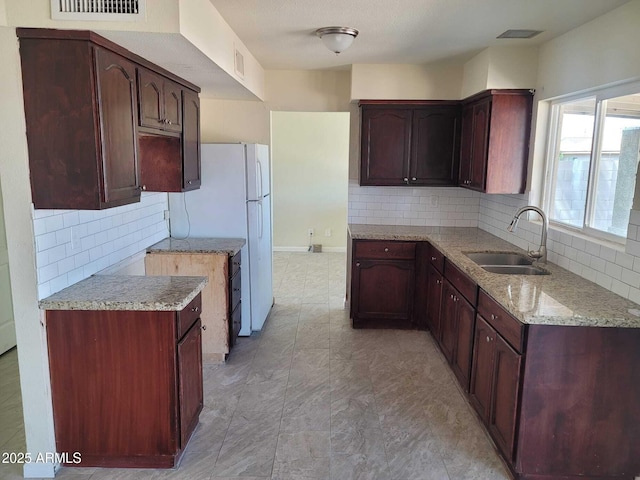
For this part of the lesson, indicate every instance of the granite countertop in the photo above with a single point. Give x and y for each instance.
(225, 246)
(561, 298)
(125, 292)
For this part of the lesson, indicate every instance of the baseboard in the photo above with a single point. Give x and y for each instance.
(40, 470)
(306, 249)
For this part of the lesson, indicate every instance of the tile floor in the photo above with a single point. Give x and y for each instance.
(311, 398)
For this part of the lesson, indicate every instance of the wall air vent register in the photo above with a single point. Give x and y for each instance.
(100, 10)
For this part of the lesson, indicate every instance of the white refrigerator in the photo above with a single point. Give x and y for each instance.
(234, 201)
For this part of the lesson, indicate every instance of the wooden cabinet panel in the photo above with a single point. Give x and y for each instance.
(81, 117)
(409, 143)
(496, 126)
(464, 341)
(191, 141)
(160, 102)
(125, 392)
(461, 281)
(435, 282)
(385, 146)
(482, 370)
(506, 382)
(190, 389)
(435, 146)
(509, 327)
(385, 250)
(448, 321)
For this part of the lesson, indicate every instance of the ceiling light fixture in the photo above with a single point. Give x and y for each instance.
(337, 39)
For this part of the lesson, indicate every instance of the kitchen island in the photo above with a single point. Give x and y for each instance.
(220, 260)
(548, 362)
(125, 359)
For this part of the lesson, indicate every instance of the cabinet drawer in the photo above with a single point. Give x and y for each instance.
(436, 258)
(235, 291)
(234, 264)
(188, 315)
(510, 328)
(461, 281)
(385, 250)
(236, 321)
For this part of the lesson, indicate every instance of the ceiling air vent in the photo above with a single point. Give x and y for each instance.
(239, 64)
(520, 34)
(106, 10)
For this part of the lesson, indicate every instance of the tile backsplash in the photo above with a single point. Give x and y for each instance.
(72, 245)
(614, 267)
(421, 206)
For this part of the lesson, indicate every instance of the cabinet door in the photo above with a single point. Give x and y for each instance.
(433, 303)
(482, 371)
(502, 418)
(434, 149)
(191, 140)
(150, 98)
(385, 146)
(465, 145)
(383, 290)
(464, 341)
(190, 381)
(448, 323)
(116, 79)
(480, 143)
(172, 106)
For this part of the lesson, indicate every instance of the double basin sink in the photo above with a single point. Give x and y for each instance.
(506, 263)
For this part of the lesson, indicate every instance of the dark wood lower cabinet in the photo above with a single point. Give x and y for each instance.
(382, 294)
(126, 386)
(434, 294)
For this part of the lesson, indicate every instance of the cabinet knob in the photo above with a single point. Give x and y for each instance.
(438, 281)
(488, 338)
(413, 179)
(493, 317)
(203, 327)
(169, 122)
(144, 187)
(406, 180)
(195, 309)
(433, 259)
(190, 182)
(386, 249)
(358, 264)
(451, 296)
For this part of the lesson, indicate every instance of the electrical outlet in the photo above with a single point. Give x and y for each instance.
(327, 232)
(435, 200)
(310, 231)
(167, 215)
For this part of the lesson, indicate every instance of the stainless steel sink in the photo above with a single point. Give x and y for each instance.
(515, 269)
(506, 263)
(499, 258)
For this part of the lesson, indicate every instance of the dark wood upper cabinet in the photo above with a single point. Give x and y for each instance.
(409, 143)
(435, 146)
(191, 140)
(494, 152)
(81, 99)
(160, 102)
(81, 118)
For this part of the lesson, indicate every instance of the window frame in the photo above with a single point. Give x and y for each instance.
(600, 95)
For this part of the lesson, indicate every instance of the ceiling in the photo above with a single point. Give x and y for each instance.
(279, 33)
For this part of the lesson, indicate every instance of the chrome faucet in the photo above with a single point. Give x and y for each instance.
(541, 253)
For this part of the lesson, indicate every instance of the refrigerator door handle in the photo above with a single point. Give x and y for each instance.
(260, 220)
(259, 177)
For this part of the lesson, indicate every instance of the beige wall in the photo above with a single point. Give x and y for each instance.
(229, 121)
(601, 52)
(476, 74)
(309, 152)
(406, 82)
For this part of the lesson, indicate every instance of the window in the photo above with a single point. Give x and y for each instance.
(594, 151)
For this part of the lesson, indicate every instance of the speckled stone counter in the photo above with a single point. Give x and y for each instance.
(561, 298)
(228, 246)
(123, 292)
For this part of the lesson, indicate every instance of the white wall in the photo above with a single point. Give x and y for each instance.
(14, 174)
(104, 238)
(310, 161)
